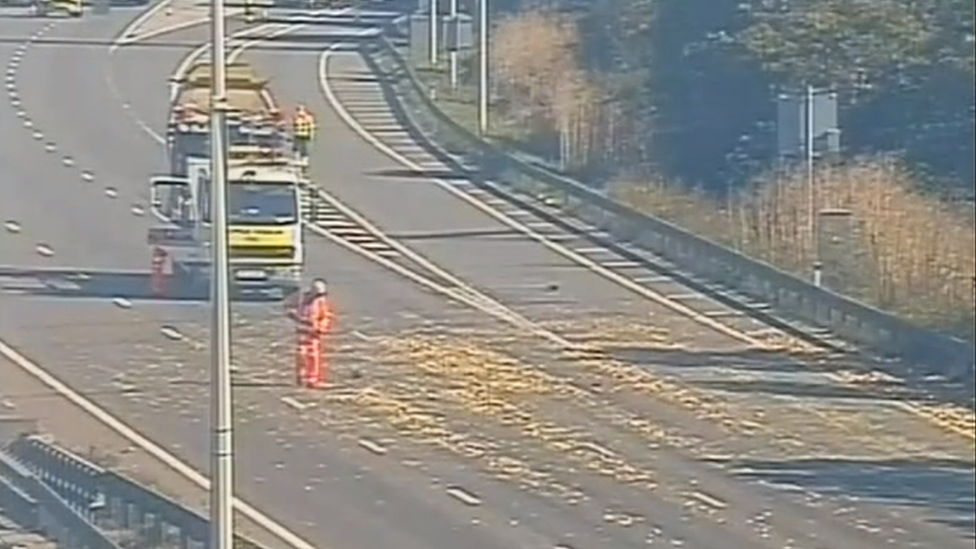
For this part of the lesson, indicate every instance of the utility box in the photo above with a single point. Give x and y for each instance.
(459, 32)
(454, 34)
(841, 248)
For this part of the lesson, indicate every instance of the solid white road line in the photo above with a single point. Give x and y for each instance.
(121, 428)
(150, 447)
(567, 253)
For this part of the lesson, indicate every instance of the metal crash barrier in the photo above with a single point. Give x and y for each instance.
(883, 333)
(38, 507)
(98, 506)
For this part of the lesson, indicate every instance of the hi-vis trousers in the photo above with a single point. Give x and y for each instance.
(310, 367)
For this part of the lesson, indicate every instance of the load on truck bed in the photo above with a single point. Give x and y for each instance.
(253, 117)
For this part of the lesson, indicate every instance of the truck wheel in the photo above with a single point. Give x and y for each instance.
(186, 281)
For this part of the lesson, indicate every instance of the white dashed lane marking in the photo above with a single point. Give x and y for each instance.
(50, 146)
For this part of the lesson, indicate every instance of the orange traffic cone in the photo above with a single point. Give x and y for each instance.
(159, 272)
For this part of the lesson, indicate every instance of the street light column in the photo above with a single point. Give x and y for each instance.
(221, 412)
(483, 67)
(433, 22)
(812, 183)
(454, 45)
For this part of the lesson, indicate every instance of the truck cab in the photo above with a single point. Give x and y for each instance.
(266, 244)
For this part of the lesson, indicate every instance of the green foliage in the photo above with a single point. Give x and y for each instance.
(843, 44)
(955, 41)
(695, 78)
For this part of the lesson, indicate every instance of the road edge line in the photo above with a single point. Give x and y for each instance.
(916, 410)
(138, 439)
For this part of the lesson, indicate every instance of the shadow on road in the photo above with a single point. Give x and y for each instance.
(447, 235)
(363, 22)
(314, 42)
(358, 79)
(444, 175)
(236, 382)
(800, 389)
(945, 489)
(89, 283)
(770, 372)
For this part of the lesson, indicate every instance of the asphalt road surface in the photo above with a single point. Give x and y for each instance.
(542, 461)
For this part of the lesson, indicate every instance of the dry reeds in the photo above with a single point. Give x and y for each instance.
(535, 68)
(893, 247)
(877, 239)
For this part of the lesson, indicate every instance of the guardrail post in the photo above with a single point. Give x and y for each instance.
(56, 474)
(116, 508)
(67, 538)
(44, 520)
(142, 519)
(127, 512)
(153, 530)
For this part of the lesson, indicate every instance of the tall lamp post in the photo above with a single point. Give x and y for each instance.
(810, 154)
(221, 411)
(454, 45)
(483, 67)
(433, 23)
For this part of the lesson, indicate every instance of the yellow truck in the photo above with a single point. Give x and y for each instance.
(265, 183)
(45, 8)
(267, 251)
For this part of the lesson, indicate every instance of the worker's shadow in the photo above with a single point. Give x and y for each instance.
(103, 284)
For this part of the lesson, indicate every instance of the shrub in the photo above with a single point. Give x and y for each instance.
(901, 250)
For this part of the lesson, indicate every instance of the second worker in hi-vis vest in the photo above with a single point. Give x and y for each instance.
(304, 131)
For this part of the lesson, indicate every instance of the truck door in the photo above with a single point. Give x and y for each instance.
(172, 200)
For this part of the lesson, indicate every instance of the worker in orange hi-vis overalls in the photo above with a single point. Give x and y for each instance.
(161, 270)
(312, 313)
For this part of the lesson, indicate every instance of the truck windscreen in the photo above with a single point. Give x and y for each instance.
(262, 204)
(256, 204)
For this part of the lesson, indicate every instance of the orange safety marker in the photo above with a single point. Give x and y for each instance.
(160, 272)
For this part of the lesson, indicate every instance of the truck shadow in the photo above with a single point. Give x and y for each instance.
(309, 44)
(106, 284)
(781, 373)
(943, 489)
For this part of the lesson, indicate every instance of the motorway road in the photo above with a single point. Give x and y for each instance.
(324, 485)
(518, 272)
(294, 468)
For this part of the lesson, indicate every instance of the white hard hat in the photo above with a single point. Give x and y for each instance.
(319, 286)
